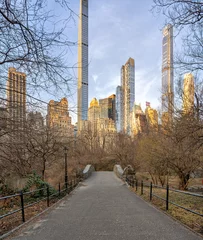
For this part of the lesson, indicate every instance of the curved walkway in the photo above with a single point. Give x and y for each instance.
(103, 208)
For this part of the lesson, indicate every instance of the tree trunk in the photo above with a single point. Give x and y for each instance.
(43, 170)
(184, 179)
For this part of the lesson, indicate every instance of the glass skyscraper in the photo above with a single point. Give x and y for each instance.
(118, 108)
(167, 72)
(83, 63)
(125, 96)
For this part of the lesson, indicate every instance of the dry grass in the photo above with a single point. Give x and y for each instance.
(193, 221)
(14, 220)
(173, 180)
(10, 222)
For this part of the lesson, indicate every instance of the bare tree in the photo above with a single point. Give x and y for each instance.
(188, 16)
(152, 156)
(43, 147)
(124, 150)
(34, 40)
(181, 12)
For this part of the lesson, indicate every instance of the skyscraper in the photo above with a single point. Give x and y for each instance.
(83, 63)
(94, 110)
(118, 108)
(16, 100)
(188, 93)
(128, 93)
(167, 72)
(107, 106)
(101, 125)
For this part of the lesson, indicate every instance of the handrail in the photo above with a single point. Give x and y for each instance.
(24, 193)
(10, 196)
(180, 191)
(189, 210)
(134, 183)
(70, 186)
(187, 193)
(10, 213)
(33, 191)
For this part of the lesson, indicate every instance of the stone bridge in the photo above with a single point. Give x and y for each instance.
(103, 208)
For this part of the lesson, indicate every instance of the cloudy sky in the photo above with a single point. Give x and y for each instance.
(118, 30)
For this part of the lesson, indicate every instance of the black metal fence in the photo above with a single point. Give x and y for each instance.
(141, 184)
(62, 189)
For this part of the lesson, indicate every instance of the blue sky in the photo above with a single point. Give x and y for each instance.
(118, 30)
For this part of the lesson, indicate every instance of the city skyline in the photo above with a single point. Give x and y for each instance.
(112, 45)
(144, 77)
(114, 36)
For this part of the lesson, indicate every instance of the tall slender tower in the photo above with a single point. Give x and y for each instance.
(128, 93)
(118, 108)
(167, 73)
(188, 93)
(83, 63)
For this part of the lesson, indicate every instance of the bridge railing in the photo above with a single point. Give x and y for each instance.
(142, 186)
(118, 170)
(88, 171)
(24, 200)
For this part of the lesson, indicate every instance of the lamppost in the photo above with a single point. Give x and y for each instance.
(167, 179)
(66, 172)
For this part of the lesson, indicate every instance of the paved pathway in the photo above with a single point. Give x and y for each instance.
(103, 208)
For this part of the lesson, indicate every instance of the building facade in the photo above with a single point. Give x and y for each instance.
(152, 118)
(35, 120)
(118, 108)
(16, 100)
(167, 73)
(99, 124)
(107, 106)
(3, 118)
(58, 118)
(128, 93)
(188, 93)
(138, 121)
(83, 63)
(94, 112)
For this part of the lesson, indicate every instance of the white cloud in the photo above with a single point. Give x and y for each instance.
(95, 77)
